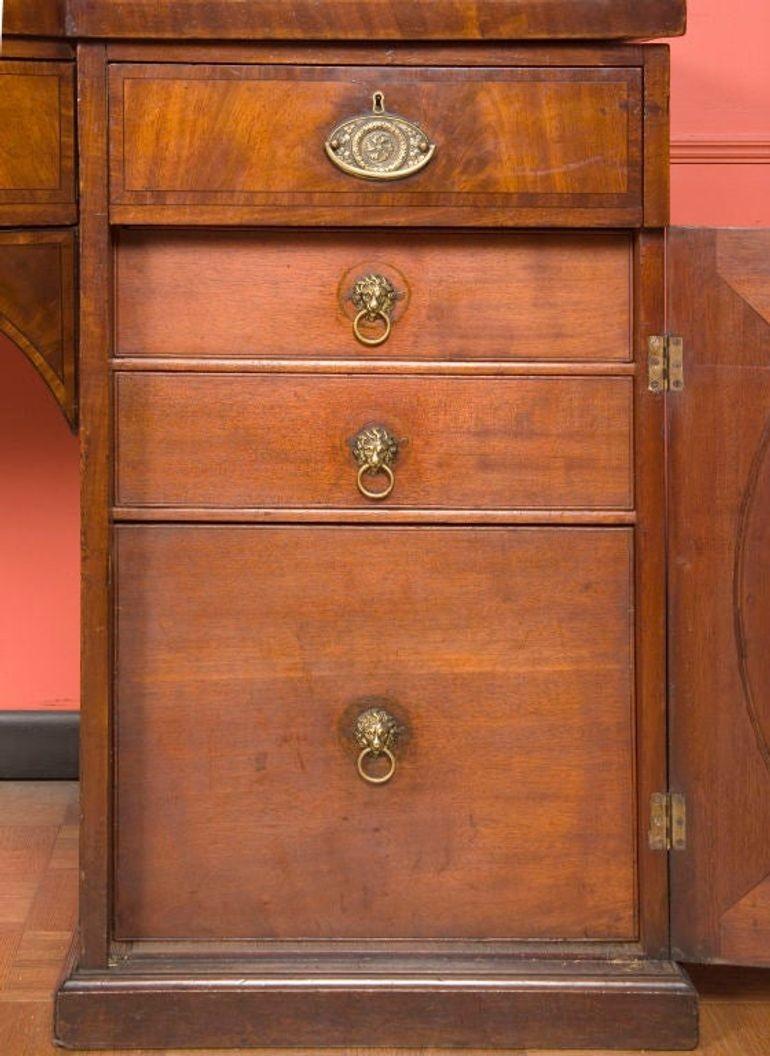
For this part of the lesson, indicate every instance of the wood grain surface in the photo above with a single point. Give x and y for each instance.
(40, 18)
(572, 1002)
(378, 53)
(228, 136)
(37, 306)
(249, 440)
(243, 658)
(38, 867)
(287, 294)
(650, 551)
(95, 330)
(378, 19)
(656, 135)
(720, 592)
(37, 143)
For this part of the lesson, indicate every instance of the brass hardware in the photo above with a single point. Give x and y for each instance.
(379, 145)
(678, 827)
(376, 732)
(668, 822)
(375, 450)
(658, 832)
(374, 296)
(376, 495)
(665, 363)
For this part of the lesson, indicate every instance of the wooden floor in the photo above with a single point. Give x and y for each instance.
(38, 877)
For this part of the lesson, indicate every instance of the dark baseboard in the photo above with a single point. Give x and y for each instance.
(424, 1001)
(39, 745)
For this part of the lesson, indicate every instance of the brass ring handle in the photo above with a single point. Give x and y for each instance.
(376, 732)
(379, 314)
(384, 468)
(375, 450)
(370, 777)
(375, 297)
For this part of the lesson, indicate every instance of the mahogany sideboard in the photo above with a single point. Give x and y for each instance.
(426, 534)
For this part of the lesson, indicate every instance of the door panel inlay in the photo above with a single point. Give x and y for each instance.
(752, 594)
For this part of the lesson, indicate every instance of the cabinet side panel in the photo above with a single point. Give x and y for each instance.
(95, 432)
(649, 420)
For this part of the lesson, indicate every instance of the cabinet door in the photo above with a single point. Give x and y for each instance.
(719, 583)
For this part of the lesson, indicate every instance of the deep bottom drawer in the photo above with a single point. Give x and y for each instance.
(244, 656)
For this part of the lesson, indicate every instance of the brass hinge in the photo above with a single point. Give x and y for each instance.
(668, 822)
(665, 366)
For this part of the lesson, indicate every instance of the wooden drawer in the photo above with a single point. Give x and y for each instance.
(244, 656)
(37, 143)
(229, 440)
(288, 294)
(512, 145)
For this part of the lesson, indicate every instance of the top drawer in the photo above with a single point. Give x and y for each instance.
(534, 146)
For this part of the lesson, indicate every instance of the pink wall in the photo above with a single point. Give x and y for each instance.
(720, 118)
(39, 590)
(720, 115)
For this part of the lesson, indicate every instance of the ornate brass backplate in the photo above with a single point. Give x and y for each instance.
(379, 145)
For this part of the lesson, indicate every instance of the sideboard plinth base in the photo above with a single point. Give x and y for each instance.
(498, 1003)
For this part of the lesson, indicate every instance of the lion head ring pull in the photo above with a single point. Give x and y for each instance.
(375, 450)
(376, 732)
(374, 296)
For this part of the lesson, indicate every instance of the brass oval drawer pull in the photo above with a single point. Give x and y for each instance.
(376, 733)
(374, 296)
(379, 145)
(375, 450)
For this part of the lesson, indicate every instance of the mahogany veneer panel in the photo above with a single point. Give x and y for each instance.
(37, 306)
(94, 317)
(43, 18)
(209, 135)
(242, 658)
(250, 440)
(719, 583)
(287, 294)
(378, 19)
(36, 143)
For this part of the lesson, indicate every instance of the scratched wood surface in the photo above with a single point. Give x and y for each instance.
(287, 294)
(38, 891)
(230, 440)
(512, 644)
